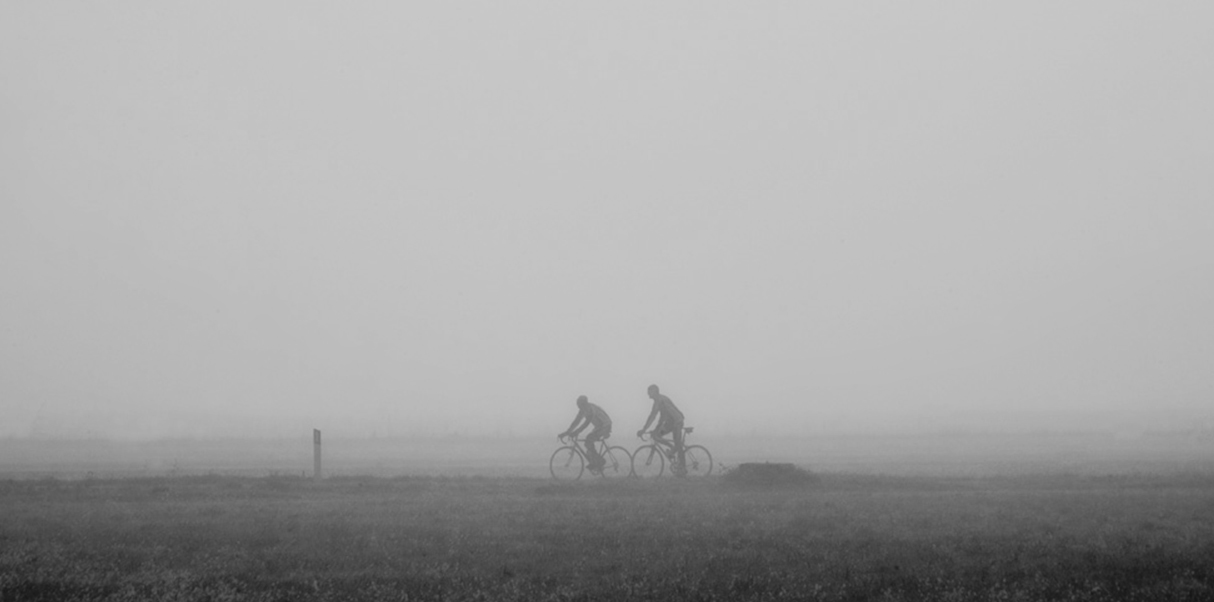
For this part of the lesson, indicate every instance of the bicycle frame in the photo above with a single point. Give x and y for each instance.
(575, 441)
(683, 459)
(617, 461)
(666, 444)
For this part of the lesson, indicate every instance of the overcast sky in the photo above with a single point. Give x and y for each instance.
(249, 218)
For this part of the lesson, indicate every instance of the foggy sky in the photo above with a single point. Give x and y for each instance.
(257, 219)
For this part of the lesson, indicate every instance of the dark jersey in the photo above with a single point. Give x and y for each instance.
(666, 410)
(593, 415)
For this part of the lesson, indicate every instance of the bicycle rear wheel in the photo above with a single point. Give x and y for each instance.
(619, 463)
(648, 462)
(698, 461)
(566, 464)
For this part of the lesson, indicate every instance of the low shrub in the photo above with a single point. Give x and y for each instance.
(769, 474)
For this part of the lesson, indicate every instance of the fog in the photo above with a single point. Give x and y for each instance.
(251, 220)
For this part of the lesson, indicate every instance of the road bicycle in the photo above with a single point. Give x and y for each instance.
(650, 460)
(568, 462)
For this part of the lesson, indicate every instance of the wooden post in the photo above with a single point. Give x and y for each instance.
(316, 454)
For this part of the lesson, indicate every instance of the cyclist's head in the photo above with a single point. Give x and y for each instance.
(653, 390)
(582, 401)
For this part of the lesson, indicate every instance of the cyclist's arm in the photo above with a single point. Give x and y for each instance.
(572, 425)
(579, 429)
(652, 414)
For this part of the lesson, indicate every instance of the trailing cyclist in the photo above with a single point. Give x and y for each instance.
(590, 414)
(670, 421)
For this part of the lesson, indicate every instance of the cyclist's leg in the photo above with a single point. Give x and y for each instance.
(592, 452)
(658, 431)
(659, 437)
(588, 449)
(678, 443)
(602, 448)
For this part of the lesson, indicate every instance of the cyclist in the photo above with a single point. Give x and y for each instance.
(670, 420)
(590, 414)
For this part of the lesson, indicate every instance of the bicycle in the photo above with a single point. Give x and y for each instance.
(649, 461)
(568, 462)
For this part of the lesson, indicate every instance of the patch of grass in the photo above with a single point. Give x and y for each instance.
(846, 538)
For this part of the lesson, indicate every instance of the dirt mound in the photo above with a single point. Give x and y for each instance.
(769, 474)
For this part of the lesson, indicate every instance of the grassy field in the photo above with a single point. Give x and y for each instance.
(846, 537)
(981, 454)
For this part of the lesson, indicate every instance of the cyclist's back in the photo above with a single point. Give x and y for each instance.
(596, 415)
(668, 413)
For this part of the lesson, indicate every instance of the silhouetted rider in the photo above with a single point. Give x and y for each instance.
(590, 414)
(670, 420)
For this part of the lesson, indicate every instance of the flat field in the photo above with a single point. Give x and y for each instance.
(847, 536)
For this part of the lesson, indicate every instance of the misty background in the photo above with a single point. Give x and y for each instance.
(392, 220)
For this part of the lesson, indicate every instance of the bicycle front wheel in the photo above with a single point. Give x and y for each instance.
(698, 461)
(566, 464)
(648, 462)
(619, 463)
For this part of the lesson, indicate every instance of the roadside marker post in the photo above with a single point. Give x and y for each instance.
(316, 454)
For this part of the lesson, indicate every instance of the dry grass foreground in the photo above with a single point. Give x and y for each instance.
(846, 537)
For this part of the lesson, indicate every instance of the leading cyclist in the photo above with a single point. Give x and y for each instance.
(670, 421)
